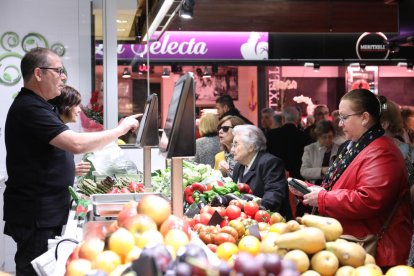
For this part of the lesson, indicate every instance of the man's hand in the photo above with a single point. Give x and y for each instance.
(130, 123)
(82, 168)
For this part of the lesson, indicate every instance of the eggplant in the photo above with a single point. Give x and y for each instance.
(219, 200)
(249, 197)
(230, 197)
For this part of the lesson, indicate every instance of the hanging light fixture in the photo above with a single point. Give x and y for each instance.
(187, 8)
(206, 73)
(126, 74)
(362, 67)
(409, 67)
(165, 73)
(316, 67)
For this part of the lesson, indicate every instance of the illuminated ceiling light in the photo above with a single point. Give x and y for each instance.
(187, 8)
(165, 73)
(206, 73)
(121, 21)
(409, 67)
(316, 67)
(126, 74)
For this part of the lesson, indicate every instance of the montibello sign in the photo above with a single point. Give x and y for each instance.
(196, 46)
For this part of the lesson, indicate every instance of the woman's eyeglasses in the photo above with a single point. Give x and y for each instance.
(224, 128)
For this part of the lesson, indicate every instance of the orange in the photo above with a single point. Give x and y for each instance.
(249, 244)
(226, 250)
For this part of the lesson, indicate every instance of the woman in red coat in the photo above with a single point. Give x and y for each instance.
(366, 181)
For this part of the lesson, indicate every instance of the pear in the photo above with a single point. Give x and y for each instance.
(348, 253)
(331, 227)
(309, 240)
(345, 271)
(299, 258)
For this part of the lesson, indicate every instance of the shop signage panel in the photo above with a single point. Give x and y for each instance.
(197, 46)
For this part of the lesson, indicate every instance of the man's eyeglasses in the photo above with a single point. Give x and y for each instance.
(343, 118)
(224, 128)
(58, 70)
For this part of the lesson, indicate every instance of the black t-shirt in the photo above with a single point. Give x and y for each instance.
(38, 173)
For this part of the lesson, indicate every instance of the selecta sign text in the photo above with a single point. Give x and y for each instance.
(196, 46)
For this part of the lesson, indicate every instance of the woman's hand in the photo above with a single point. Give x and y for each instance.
(311, 199)
(82, 168)
(293, 190)
(223, 167)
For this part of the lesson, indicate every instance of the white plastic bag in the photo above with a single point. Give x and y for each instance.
(112, 160)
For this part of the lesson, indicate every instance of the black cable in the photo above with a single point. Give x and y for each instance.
(63, 240)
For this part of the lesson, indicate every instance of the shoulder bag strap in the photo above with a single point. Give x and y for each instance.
(387, 222)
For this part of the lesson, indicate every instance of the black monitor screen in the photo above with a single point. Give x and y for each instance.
(147, 133)
(179, 128)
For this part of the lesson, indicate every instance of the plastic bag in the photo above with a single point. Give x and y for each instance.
(112, 160)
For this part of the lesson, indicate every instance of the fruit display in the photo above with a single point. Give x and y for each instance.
(240, 239)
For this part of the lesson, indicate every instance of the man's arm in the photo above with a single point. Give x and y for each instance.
(76, 143)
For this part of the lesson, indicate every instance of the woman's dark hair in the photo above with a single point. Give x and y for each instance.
(68, 98)
(324, 127)
(364, 100)
(226, 100)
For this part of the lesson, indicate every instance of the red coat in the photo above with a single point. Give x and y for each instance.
(364, 196)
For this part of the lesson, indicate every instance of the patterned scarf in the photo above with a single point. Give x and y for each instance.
(348, 153)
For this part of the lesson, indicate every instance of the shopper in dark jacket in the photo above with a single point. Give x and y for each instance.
(225, 107)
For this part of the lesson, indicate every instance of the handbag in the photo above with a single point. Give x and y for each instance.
(370, 242)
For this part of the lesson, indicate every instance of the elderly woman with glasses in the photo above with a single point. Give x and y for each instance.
(224, 160)
(367, 183)
(262, 171)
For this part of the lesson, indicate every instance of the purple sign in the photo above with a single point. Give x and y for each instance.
(197, 46)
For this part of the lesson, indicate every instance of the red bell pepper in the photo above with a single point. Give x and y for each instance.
(188, 192)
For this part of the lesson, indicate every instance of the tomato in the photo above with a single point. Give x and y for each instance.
(224, 237)
(232, 211)
(250, 208)
(262, 216)
(114, 191)
(207, 209)
(236, 202)
(198, 227)
(135, 187)
(212, 247)
(224, 222)
(205, 218)
(221, 211)
(207, 234)
(239, 226)
(230, 230)
(243, 215)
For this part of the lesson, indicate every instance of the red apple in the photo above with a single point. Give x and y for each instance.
(174, 222)
(90, 248)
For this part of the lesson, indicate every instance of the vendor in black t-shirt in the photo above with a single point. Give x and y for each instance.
(39, 161)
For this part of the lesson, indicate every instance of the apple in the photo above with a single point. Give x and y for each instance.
(128, 210)
(133, 254)
(276, 217)
(325, 262)
(345, 271)
(121, 241)
(78, 267)
(150, 236)
(176, 238)
(106, 261)
(90, 248)
(156, 207)
(140, 223)
(174, 222)
(299, 258)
